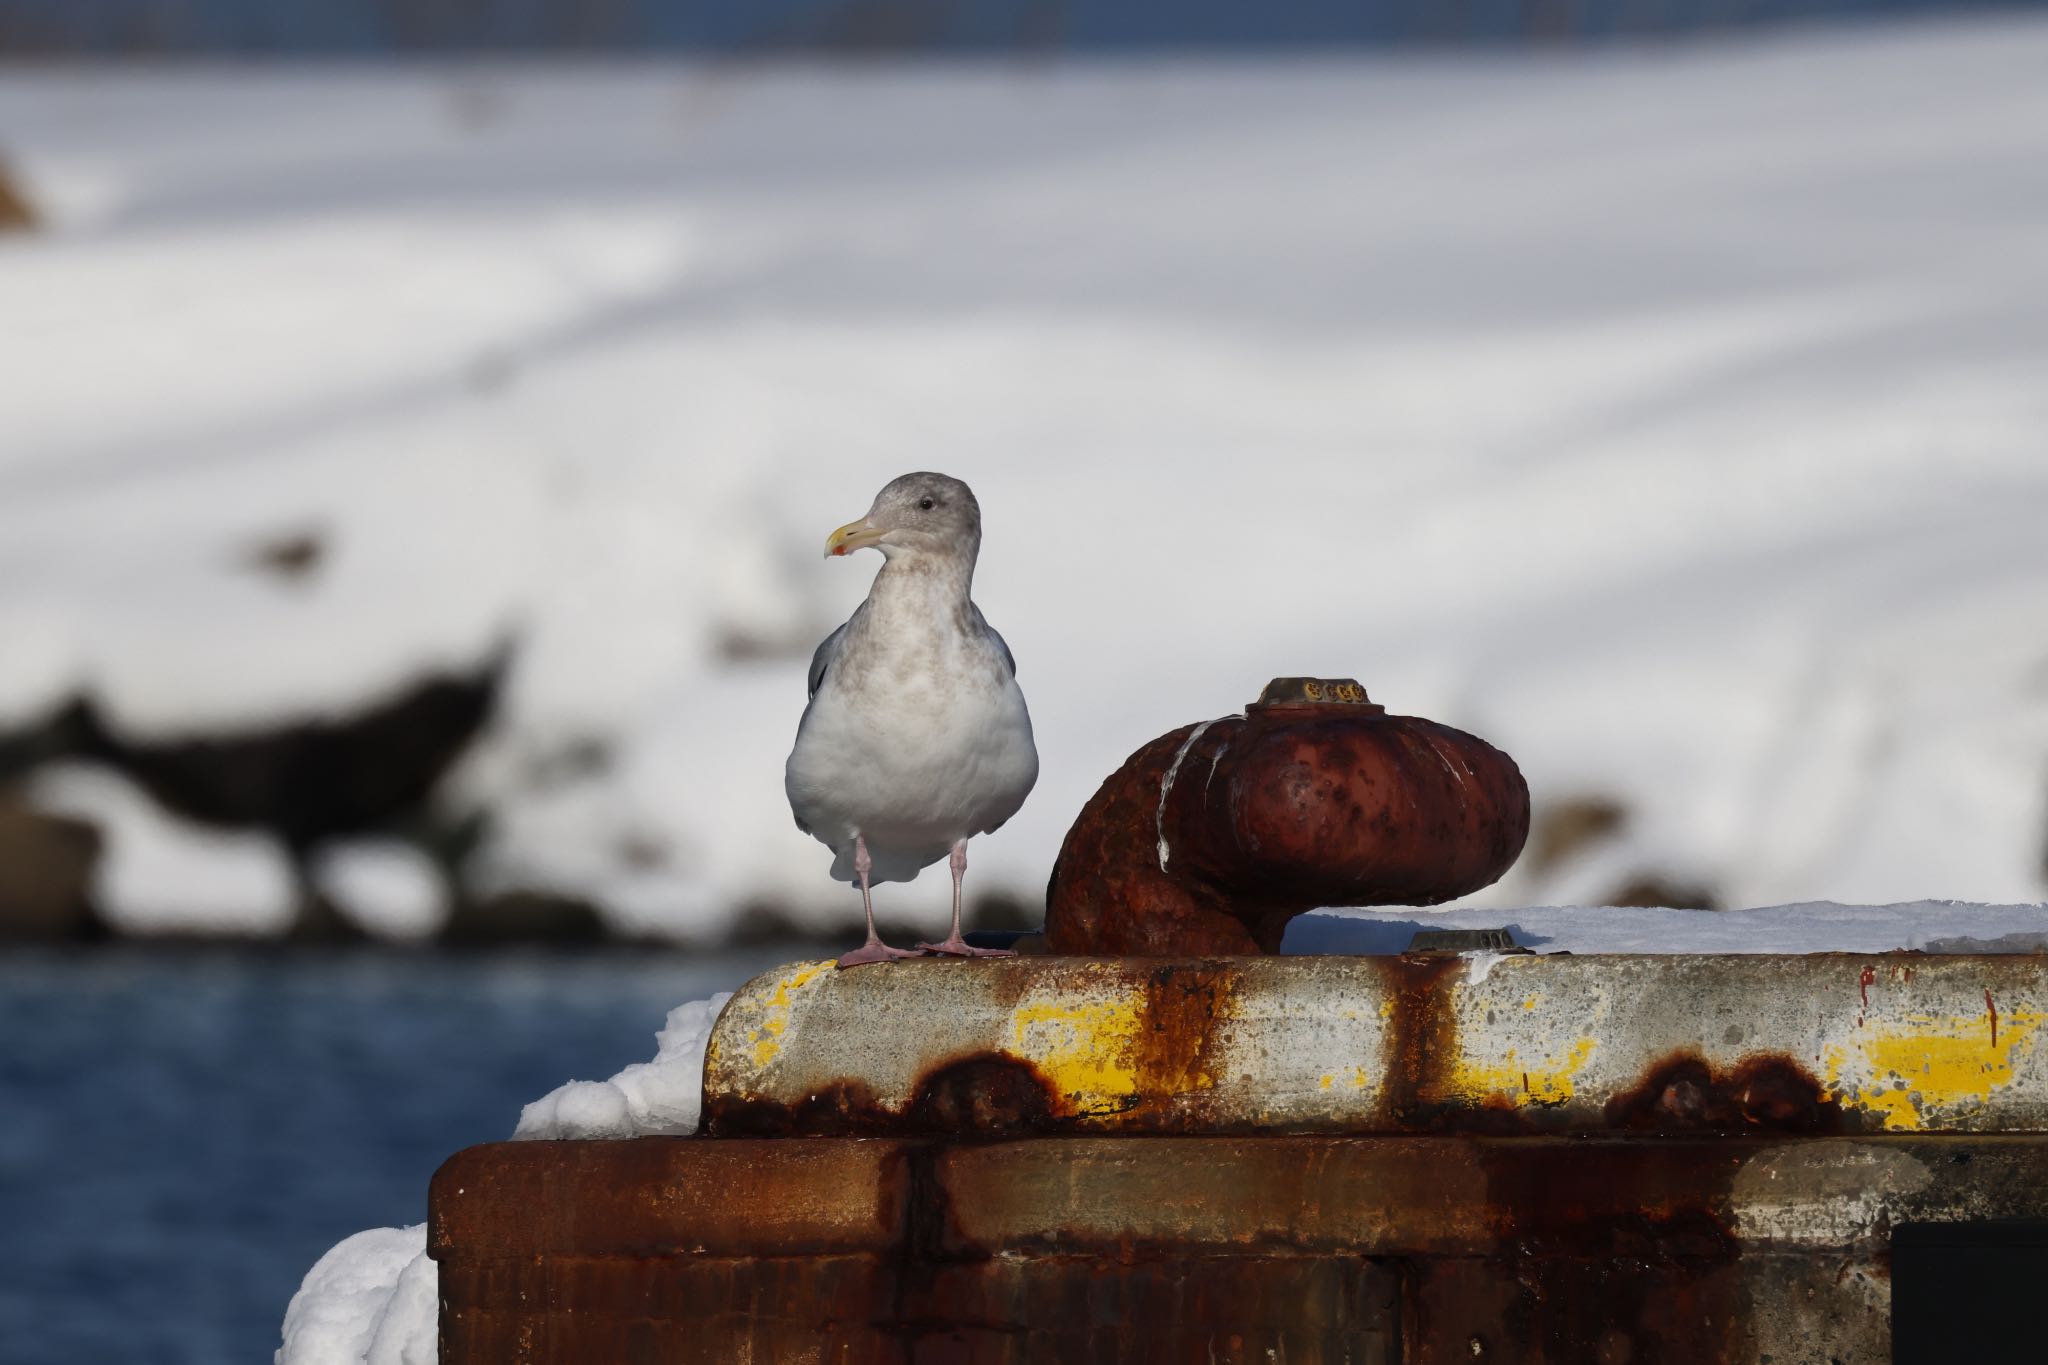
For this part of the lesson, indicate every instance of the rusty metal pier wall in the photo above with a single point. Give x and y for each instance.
(1569, 1160)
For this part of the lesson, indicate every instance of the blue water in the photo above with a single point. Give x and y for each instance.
(301, 27)
(184, 1132)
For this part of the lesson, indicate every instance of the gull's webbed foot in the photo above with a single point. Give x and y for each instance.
(957, 946)
(874, 950)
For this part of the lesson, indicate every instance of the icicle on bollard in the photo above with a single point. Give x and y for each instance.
(1210, 838)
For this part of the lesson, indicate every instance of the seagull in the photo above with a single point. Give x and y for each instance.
(916, 737)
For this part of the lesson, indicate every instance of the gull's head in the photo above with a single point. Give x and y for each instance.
(917, 514)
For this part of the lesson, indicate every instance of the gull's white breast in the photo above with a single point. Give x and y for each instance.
(912, 750)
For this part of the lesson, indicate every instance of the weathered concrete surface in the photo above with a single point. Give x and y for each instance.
(1828, 1043)
(1304, 1249)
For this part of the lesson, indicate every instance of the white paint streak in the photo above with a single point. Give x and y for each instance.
(1457, 777)
(1479, 966)
(1166, 787)
(1214, 759)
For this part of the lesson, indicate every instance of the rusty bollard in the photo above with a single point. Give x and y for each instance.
(1210, 838)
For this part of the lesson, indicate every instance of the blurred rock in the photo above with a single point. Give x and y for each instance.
(773, 921)
(15, 213)
(294, 556)
(642, 852)
(578, 758)
(768, 921)
(306, 782)
(316, 779)
(46, 870)
(999, 910)
(1564, 829)
(524, 917)
(1651, 889)
(60, 734)
(738, 644)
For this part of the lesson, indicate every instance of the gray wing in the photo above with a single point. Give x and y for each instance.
(821, 663)
(1002, 645)
(828, 650)
(1009, 662)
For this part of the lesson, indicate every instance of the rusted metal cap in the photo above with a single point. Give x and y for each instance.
(1290, 692)
(1515, 1044)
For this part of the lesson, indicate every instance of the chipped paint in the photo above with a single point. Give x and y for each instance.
(1922, 1070)
(1354, 1079)
(1541, 1078)
(768, 1017)
(1084, 1045)
(1508, 1053)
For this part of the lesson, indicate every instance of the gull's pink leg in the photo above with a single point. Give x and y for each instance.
(874, 950)
(956, 946)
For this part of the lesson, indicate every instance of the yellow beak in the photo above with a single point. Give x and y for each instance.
(855, 535)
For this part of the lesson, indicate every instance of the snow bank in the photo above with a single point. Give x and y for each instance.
(372, 1300)
(665, 1095)
(388, 887)
(1670, 417)
(1939, 926)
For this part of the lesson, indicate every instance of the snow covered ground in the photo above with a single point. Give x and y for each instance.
(1821, 927)
(1672, 417)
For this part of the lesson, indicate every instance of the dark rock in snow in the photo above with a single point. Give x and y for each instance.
(314, 779)
(293, 557)
(15, 213)
(1564, 829)
(524, 917)
(310, 780)
(46, 868)
(1657, 892)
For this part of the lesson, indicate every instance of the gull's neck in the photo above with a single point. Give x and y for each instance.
(937, 579)
(917, 622)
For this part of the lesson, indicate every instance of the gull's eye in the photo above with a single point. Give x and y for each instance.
(925, 504)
